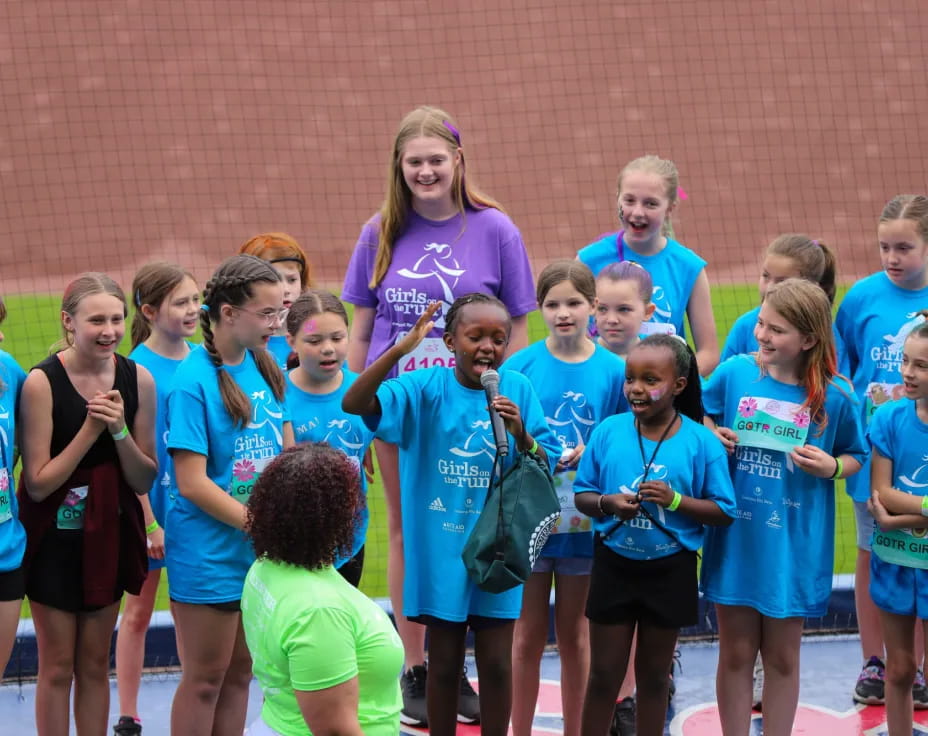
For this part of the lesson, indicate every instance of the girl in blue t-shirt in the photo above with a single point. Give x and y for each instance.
(648, 193)
(650, 479)
(226, 420)
(874, 318)
(12, 534)
(438, 418)
(167, 308)
(317, 327)
(289, 260)
(579, 384)
(623, 302)
(898, 573)
(791, 426)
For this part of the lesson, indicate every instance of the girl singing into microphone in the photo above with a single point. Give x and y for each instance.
(438, 418)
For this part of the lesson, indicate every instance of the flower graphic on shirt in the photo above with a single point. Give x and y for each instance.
(747, 407)
(243, 470)
(801, 419)
(4, 480)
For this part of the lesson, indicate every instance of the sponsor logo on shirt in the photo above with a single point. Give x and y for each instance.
(775, 522)
(437, 505)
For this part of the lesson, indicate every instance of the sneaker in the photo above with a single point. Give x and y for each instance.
(870, 687)
(127, 726)
(758, 691)
(623, 718)
(674, 666)
(920, 691)
(468, 701)
(412, 683)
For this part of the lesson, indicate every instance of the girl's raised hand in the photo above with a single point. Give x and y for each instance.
(728, 438)
(108, 408)
(814, 461)
(420, 330)
(656, 491)
(510, 415)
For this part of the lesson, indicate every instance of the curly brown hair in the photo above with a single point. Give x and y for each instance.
(303, 506)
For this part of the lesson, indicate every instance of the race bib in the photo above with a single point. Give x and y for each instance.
(6, 506)
(771, 424)
(878, 394)
(906, 547)
(245, 472)
(430, 352)
(570, 520)
(657, 328)
(71, 511)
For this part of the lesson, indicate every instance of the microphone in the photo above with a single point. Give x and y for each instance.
(489, 379)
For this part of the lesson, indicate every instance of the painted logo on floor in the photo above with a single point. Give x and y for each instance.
(811, 720)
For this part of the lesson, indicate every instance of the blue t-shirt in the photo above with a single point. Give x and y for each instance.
(319, 418)
(874, 319)
(446, 458)
(12, 534)
(207, 560)
(674, 270)
(778, 555)
(575, 398)
(741, 340)
(692, 462)
(162, 371)
(280, 350)
(897, 433)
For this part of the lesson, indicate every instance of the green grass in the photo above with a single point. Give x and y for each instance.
(33, 326)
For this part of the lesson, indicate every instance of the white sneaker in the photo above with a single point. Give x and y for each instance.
(758, 683)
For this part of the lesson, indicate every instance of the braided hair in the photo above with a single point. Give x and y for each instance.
(454, 313)
(232, 284)
(689, 400)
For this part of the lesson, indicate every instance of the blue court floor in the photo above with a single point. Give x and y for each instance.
(829, 670)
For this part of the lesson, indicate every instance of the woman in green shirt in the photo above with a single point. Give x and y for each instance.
(327, 657)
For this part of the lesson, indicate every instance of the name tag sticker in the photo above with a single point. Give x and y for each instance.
(771, 424)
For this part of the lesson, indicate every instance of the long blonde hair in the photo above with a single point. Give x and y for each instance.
(427, 122)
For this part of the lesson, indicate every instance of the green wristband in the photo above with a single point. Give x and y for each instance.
(924, 505)
(839, 469)
(153, 527)
(121, 434)
(675, 504)
(533, 450)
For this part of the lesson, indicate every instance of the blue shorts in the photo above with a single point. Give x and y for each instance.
(865, 525)
(897, 589)
(564, 565)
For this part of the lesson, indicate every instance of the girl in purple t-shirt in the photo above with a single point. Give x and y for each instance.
(434, 239)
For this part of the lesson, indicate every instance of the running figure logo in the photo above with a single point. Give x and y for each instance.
(478, 442)
(438, 262)
(572, 419)
(265, 410)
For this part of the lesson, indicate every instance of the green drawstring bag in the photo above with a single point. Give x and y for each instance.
(520, 512)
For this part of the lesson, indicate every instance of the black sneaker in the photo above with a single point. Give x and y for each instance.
(413, 683)
(127, 726)
(870, 688)
(623, 718)
(920, 691)
(468, 701)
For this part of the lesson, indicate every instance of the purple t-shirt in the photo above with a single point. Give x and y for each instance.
(438, 261)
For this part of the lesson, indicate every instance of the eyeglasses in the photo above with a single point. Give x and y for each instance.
(275, 315)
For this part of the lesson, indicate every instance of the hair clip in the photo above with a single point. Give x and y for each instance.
(815, 242)
(454, 131)
(204, 307)
(681, 194)
(138, 299)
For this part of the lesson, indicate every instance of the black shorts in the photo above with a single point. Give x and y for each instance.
(353, 568)
(474, 622)
(12, 585)
(55, 576)
(662, 592)
(225, 606)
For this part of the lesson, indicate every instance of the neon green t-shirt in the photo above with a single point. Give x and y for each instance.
(311, 630)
